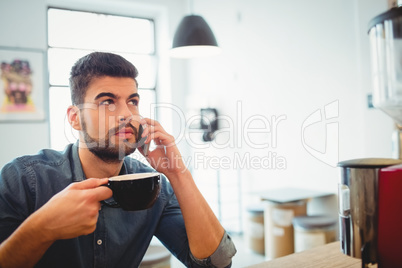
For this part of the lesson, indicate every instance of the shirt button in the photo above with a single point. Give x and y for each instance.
(99, 242)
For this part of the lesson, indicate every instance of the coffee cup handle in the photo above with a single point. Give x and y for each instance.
(112, 203)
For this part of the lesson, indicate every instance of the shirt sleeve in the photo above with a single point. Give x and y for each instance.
(12, 193)
(222, 257)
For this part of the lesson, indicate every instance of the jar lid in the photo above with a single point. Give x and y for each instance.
(314, 221)
(369, 163)
(256, 208)
(389, 15)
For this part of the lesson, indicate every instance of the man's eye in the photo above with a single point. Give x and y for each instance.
(133, 102)
(106, 102)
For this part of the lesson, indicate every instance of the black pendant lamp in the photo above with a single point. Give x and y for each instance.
(194, 38)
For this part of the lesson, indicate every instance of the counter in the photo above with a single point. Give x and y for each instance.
(328, 256)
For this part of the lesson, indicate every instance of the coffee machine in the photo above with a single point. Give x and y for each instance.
(370, 205)
(370, 189)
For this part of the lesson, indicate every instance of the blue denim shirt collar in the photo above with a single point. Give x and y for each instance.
(76, 167)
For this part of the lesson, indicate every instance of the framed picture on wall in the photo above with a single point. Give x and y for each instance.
(21, 84)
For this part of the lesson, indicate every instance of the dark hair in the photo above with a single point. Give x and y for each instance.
(95, 65)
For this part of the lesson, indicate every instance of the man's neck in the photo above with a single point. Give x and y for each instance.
(94, 167)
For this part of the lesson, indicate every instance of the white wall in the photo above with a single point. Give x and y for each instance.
(30, 32)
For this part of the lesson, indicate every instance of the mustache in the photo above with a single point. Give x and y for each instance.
(115, 130)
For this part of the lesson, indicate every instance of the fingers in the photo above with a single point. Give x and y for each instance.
(102, 193)
(89, 184)
(156, 132)
(150, 122)
(163, 139)
(98, 193)
(152, 126)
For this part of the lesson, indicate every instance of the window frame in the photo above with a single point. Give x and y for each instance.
(154, 53)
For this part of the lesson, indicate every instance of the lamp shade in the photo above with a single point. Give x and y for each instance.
(194, 38)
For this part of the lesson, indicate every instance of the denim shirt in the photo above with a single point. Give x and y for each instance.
(121, 237)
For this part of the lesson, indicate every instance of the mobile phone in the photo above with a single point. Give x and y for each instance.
(141, 141)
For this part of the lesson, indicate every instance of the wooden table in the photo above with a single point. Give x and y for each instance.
(327, 256)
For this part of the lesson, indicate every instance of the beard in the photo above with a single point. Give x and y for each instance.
(105, 150)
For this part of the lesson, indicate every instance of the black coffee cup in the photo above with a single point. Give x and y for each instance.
(134, 191)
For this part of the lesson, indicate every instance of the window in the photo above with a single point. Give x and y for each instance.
(73, 34)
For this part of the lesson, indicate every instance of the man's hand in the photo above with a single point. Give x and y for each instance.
(203, 228)
(166, 158)
(74, 211)
(70, 213)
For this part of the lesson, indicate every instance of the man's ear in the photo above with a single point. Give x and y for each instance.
(73, 114)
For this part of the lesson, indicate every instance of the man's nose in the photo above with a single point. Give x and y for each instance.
(126, 114)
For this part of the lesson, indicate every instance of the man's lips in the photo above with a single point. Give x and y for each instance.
(125, 133)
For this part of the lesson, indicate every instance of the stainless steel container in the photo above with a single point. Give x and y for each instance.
(358, 207)
(385, 33)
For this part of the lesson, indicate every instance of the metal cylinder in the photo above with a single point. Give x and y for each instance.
(358, 206)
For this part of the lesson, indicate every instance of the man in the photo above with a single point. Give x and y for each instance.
(51, 209)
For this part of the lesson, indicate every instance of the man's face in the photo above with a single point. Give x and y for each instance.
(110, 117)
